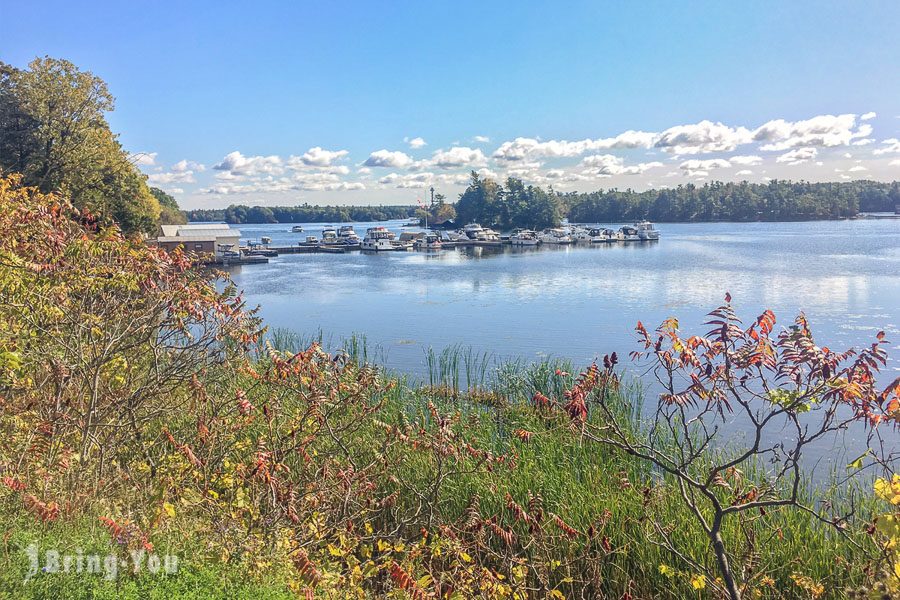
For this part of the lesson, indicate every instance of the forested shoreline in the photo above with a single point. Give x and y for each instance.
(515, 204)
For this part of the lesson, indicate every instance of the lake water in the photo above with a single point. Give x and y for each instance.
(581, 302)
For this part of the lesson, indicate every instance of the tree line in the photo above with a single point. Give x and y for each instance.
(304, 213)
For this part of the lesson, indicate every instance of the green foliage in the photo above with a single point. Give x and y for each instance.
(169, 213)
(516, 205)
(53, 131)
(777, 200)
(305, 213)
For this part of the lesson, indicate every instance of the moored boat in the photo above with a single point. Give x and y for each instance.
(297, 229)
(429, 241)
(524, 237)
(557, 235)
(628, 233)
(379, 239)
(646, 231)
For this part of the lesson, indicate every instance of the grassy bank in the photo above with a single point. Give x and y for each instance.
(144, 411)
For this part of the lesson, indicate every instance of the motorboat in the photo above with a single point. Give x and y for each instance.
(379, 239)
(429, 241)
(487, 235)
(347, 234)
(311, 240)
(581, 235)
(412, 222)
(602, 236)
(329, 236)
(628, 234)
(297, 229)
(556, 235)
(472, 230)
(646, 231)
(524, 237)
(265, 239)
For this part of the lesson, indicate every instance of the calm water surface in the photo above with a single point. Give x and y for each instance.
(582, 302)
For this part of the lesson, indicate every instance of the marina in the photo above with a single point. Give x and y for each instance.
(380, 238)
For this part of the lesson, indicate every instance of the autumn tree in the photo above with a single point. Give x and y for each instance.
(53, 130)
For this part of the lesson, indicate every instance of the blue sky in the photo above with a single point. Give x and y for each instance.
(292, 100)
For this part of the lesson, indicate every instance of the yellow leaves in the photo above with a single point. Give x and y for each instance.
(698, 582)
(382, 545)
(666, 571)
(558, 595)
(169, 509)
(807, 584)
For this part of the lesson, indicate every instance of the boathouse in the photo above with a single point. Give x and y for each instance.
(200, 238)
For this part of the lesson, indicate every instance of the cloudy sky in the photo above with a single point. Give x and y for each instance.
(371, 103)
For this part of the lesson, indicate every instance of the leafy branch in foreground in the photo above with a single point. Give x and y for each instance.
(741, 409)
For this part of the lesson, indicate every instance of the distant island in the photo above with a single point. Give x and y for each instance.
(515, 204)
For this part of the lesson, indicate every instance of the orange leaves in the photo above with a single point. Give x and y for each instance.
(306, 568)
(44, 511)
(405, 582)
(184, 449)
(523, 435)
(126, 532)
(540, 401)
(570, 532)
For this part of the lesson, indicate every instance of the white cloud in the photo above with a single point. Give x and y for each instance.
(460, 156)
(317, 157)
(823, 130)
(744, 172)
(481, 139)
(894, 163)
(857, 169)
(745, 160)
(171, 177)
(415, 143)
(891, 146)
(867, 116)
(704, 165)
(798, 156)
(184, 165)
(388, 159)
(238, 164)
(413, 180)
(529, 148)
(145, 159)
(607, 165)
(702, 137)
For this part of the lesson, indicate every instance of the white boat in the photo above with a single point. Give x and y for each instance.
(297, 229)
(524, 237)
(379, 239)
(412, 222)
(556, 235)
(429, 241)
(472, 230)
(646, 231)
(456, 236)
(487, 235)
(265, 240)
(311, 240)
(347, 235)
(329, 236)
(628, 234)
(602, 236)
(581, 235)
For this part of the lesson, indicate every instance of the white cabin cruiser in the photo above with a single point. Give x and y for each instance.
(297, 229)
(628, 234)
(646, 231)
(329, 236)
(347, 235)
(379, 239)
(524, 237)
(556, 235)
(429, 241)
(472, 230)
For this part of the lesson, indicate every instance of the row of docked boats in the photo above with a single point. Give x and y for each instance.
(381, 239)
(642, 231)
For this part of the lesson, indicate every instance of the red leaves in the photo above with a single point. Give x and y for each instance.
(44, 511)
(13, 484)
(184, 449)
(126, 532)
(306, 568)
(405, 582)
(244, 406)
(540, 400)
(570, 531)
